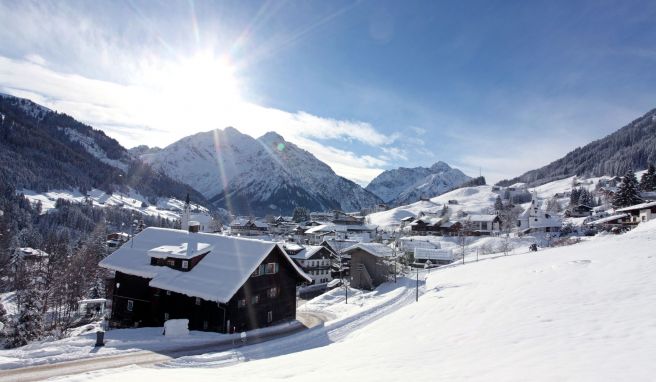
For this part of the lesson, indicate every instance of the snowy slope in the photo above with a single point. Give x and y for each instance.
(548, 316)
(407, 185)
(264, 175)
(479, 199)
(169, 208)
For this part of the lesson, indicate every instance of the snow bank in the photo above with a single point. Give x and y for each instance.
(176, 328)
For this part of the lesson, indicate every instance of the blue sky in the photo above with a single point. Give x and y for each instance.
(503, 87)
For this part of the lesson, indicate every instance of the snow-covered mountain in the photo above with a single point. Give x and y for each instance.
(260, 176)
(408, 185)
(42, 150)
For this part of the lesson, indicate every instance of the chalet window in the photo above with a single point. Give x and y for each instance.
(185, 264)
(271, 268)
(205, 325)
(241, 303)
(272, 292)
(255, 299)
(130, 305)
(269, 316)
(156, 293)
(170, 263)
(197, 300)
(166, 316)
(168, 292)
(484, 225)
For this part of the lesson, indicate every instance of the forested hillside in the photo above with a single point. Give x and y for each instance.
(41, 149)
(632, 147)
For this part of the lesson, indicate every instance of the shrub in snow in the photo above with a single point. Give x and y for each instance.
(176, 328)
(29, 324)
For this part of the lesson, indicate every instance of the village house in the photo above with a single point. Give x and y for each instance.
(485, 225)
(219, 283)
(248, 227)
(640, 212)
(341, 264)
(536, 219)
(116, 239)
(579, 211)
(315, 260)
(425, 225)
(610, 223)
(433, 256)
(369, 264)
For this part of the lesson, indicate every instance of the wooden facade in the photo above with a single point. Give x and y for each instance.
(367, 270)
(264, 299)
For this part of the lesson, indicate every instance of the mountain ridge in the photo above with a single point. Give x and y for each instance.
(630, 148)
(257, 176)
(405, 185)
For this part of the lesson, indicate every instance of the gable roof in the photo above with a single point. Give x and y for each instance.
(307, 252)
(637, 207)
(481, 218)
(375, 249)
(217, 277)
(607, 219)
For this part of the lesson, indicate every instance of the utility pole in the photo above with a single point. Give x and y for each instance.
(417, 289)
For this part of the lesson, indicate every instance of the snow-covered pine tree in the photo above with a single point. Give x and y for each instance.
(648, 179)
(498, 204)
(553, 206)
(28, 326)
(627, 192)
(574, 197)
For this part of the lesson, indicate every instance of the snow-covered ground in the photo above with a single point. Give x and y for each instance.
(473, 200)
(169, 208)
(583, 312)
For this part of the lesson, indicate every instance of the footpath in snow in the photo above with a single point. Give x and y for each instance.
(578, 313)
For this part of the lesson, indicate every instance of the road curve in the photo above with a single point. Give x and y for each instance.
(307, 320)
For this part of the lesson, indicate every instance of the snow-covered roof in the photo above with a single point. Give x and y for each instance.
(306, 252)
(375, 249)
(180, 251)
(28, 251)
(217, 277)
(326, 228)
(480, 218)
(241, 222)
(637, 207)
(339, 245)
(607, 219)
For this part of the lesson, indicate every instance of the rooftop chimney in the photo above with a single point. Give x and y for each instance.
(194, 226)
(192, 244)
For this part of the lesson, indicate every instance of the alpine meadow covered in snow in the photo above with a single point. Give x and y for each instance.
(345, 190)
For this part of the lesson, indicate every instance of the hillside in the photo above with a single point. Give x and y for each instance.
(41, 150)
(552, 315)
(408, 185)
(267, 175)
(632, 147)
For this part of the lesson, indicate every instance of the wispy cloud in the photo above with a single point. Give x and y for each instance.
(133, 115)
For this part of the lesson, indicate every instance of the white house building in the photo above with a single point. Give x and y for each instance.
(536, 219)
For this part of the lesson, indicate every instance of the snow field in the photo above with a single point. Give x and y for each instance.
(578, 313)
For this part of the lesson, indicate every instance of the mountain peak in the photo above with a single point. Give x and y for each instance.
(271, 137)
(407, 185)
(440, 166)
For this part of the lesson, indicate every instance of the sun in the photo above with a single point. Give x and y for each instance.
(191, 92)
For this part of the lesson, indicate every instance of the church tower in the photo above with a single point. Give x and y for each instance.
(186, 215)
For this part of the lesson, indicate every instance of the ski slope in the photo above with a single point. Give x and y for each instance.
(583, 312)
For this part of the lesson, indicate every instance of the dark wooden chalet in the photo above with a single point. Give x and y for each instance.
(369, 264)
(220, 283)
